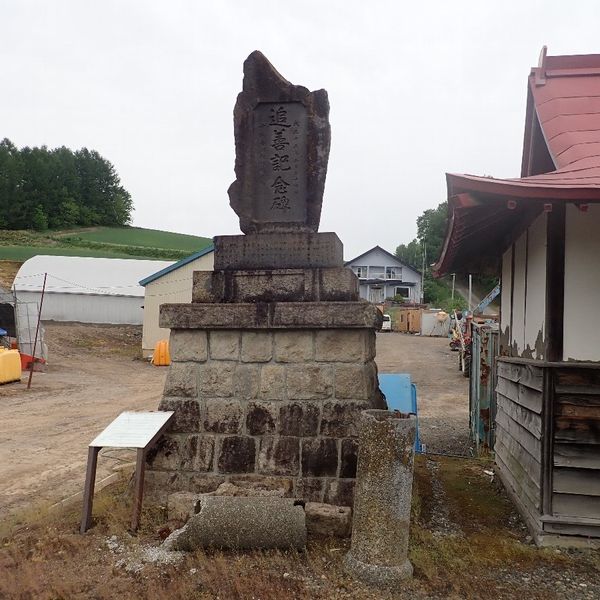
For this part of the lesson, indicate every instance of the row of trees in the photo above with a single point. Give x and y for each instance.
(58, 189)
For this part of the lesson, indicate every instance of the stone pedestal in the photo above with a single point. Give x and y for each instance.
(268, 392)
(379, 547)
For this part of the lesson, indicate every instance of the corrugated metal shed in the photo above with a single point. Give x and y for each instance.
(87, 290)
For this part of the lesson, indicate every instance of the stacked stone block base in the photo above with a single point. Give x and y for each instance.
(271, 407)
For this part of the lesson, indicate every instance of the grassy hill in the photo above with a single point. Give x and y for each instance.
(103, 242)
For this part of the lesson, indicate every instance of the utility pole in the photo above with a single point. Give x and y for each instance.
(423, 273)
(37, 329)
(453, 283)
(470, 292)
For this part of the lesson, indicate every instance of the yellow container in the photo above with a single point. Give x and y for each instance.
(10, 365)
(161, 357)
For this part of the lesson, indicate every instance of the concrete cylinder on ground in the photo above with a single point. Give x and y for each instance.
(243, 523)
(386, 449)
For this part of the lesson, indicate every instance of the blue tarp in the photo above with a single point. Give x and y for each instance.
(401, 395)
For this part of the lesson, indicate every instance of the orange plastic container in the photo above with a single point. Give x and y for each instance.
(161, 357)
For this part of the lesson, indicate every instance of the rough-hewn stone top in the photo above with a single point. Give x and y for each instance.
(273, 315)
(282, 139)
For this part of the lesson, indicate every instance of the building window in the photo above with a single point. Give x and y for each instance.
(393, 273)
(361, 272)
(376, 272)
(402, 291)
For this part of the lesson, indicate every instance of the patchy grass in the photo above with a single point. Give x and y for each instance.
(47, 559)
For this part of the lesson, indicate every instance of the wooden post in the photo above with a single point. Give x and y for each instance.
(139, 488)
(88, 493)
(555, 284)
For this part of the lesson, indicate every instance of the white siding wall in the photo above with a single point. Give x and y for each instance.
(518, 306)
(582, 284)
(88, 308)
(173, 287)
(505, 290)
(536, 286)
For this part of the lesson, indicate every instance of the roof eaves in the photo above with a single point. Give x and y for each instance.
(180, 263)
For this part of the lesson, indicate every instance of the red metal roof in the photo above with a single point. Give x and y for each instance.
(561, 162)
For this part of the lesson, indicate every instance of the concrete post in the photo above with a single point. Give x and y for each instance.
(379, 547)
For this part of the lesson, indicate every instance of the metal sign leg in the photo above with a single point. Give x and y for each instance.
(139, 488)
(88, 494)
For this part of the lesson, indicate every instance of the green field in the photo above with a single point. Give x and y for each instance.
(102, 242)
(136, 236)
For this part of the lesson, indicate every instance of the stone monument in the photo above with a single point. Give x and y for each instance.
(272, 362)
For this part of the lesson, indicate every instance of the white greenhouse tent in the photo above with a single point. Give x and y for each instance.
(86, 290)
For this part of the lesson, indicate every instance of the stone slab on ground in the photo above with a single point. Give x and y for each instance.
(327, 520)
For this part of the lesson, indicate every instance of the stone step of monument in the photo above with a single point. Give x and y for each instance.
(337, 284)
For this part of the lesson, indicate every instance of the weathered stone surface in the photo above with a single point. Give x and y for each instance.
(305, 382)
(263, 482)
(245, 523)
(181, 380)
(275, 315)
(222, 415)
(340, 418)
(257, 346)
(247, 381)
(351, 381)
(182, 505)
(338, 285)
(340, 492)
(281, 131)
(237, 454)
(379, 548)
(187, 414)
(216, 379)
(294, 346)
(310, 489)
(272, 382)
(191, 452)
(202, 483)
(327, 520)
(279, 455)
(230, 489)
(335, 284)
(348, 458)
(319, 457)
(299, 419)
(278, 251)
(340, 346)
(224, 345)
(262, 417)
(185, 345)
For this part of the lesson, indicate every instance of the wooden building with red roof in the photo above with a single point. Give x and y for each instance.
(541, 231)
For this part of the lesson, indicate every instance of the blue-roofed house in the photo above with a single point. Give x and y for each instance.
(171, 284)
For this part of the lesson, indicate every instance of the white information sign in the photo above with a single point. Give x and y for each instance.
(132, 429)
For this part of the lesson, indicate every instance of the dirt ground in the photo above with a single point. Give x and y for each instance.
(94, 374)
(442, 390)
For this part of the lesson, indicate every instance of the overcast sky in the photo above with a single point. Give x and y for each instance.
(416, 89)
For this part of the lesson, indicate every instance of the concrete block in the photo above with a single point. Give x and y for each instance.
(190, 452)
(262, 417)
(257, 346)
(340, 492)
(237, 454)
(272, 382)
(186, 345)
(310, 489)
(222, 415)
(333, 345)
(351, 381)
(246, 381)
(294, 346)
(305, 382)
(187, 414)
(348, 458)
(340, 418)
(279, 455)
(327, 520)
(319, 457)
(224, 345)
(215, 379)
(181, 380)
(299, 419)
